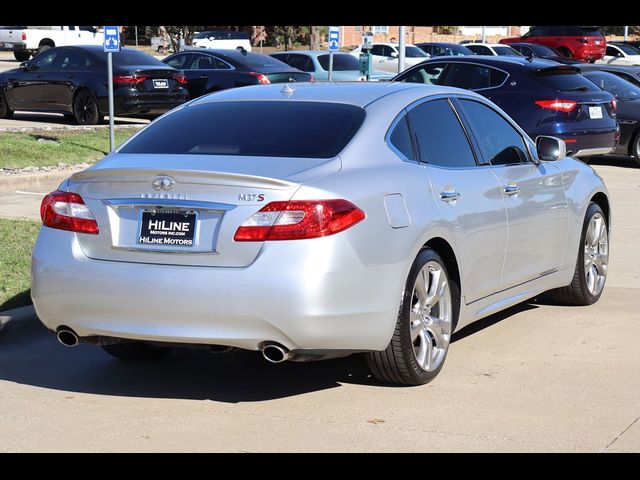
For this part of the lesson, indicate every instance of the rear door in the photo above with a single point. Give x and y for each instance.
(31, 89)
(207, 73)
(467, 194)
(72, 68)
(533, 195)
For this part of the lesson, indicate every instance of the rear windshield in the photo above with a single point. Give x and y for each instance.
(583, 32)
(413, 52)
(258, 62)
(341, 62)
(566, 81)
(133, 57)
(628, 49)
(456, 50)
(264, 129)
(507, 52)
(618, 87)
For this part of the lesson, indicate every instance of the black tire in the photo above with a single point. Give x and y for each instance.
(42, 48)
(85, 108)
(565, 52)
(5, 111)
(577, 292)
(22, 55)
(397, 363)
(634, 149)
(136, 351)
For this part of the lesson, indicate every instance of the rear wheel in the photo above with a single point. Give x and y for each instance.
(565, 52)
(85, 108)
(635, 147)
(5, 111)
(590, 274)
(42, 48)
(22, 55)
(136, 351)
(428, 313)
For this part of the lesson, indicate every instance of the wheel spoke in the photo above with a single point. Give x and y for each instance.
(591, 279)
(435, 280)
(429, 353)
(435, 329)
(600, 262)
(597, 230)
(423, 349)
(416, 325)
(420, 288)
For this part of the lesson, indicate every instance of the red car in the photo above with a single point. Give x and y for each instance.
(582, 43)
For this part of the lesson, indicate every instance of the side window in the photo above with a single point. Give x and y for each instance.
(283, 57)
(219, 64)
(377, 50)
(501, 144)
(537, 32)
(71, 59)
(179, 61)
(202, 62)
(400, 138)
(45, 59)
(301, 62)
(526, 51)
(429, 74)
(387, 51)
(440, 136)
(555, 31)
(613, 52)
(496, 77)
(468, 75)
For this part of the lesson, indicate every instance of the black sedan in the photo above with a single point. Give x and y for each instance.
(628, 111)
(534, 50)
(628, 72)
(439, 49)
(213, 70)
(73, 81)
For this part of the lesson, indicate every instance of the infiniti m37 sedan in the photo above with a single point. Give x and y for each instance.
(343, 218)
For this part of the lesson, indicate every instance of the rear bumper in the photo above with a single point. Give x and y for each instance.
(588, 54)
(12, 47)
(134, 102)
(590, 142)
(312, 294)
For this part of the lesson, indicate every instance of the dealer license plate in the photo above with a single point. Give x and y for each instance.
(160, 83)
(168, 228)
(595, 112)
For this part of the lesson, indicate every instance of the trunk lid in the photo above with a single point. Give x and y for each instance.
(210, 196)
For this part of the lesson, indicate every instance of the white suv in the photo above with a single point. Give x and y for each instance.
(222, 40)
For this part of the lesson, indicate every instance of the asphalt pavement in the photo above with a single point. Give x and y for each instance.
(538, 377)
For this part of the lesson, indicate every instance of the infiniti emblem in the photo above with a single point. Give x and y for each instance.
(163, 182)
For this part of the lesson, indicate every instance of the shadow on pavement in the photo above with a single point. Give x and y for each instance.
(31, 355)
(614, 161)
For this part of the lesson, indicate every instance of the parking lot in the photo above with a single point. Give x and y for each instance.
(538, 377)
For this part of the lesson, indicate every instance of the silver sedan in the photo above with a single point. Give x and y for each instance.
(312, 221)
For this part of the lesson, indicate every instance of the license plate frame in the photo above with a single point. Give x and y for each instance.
(173, 228)
(595, 113)
(160, 83)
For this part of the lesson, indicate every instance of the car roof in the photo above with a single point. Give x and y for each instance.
(490, 44)
(310, 52)
(359, 94)
(497, 61)
(440, 43)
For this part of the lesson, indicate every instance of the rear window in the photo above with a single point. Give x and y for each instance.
(507, 52)
(413, 52)
(264, 129)
(341, 62)
(257, 61)
(132, 57)
(566, 81)
(582, 32)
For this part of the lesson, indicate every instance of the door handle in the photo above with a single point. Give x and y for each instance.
(511, 189)
(449, 196)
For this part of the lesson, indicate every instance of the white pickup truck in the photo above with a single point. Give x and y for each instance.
(28, 41)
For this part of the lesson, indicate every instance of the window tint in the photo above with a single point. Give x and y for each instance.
(179, 61)
(501, 144)
(613, 52)
(377, 50)
(506, 51)
(256, 60)
(259, 128)
(537, 32)
(620, 88)
(387, 51)
(341, 62)
(628, 49)
(207, 62)
(566, 81)
(474, 77)
(429, 74)
(133, 57)
(45, 59)
(441, 139)
(526, 51)
(301, 62)
(583, 32)
(555, 31)
(544, 50)
(413, 52)
(401, 138)
(71, 59)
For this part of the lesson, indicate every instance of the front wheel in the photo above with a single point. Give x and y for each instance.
(635, 148)
(22, 55)
(590, 274)
(85, 108)
(428, 313)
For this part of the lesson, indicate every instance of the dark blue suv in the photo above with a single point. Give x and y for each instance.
(542, 96)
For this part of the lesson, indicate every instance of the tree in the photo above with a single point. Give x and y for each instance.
(187, 31)
(314, 34)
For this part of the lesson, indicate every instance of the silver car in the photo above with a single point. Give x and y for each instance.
(312, 221)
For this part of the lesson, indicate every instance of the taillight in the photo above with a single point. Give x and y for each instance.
(614, 104)
(299, 219)
(24, 36)
(181, 78)
(262, 79)
(312, 79)
(582, 40)
(67, 211)
(558, 105)
(129, 79)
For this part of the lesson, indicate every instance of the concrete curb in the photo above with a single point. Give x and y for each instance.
(17, 315)
(33, 180)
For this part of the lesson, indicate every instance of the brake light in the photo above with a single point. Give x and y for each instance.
(614, 104)
(181, 78)
(262, 79)
(312, 79)
(128, 79)
(67, 211)
(558, 105)
(24, 36)
(298, 220)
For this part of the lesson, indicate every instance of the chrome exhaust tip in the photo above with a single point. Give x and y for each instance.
(275, 353)
(68, 337)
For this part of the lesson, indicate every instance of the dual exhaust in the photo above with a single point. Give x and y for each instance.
(272, 352)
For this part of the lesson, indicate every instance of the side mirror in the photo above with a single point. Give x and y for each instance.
(550, 149)
(394, 54)
(24, 66)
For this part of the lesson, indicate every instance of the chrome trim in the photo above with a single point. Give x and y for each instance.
(585, 152)
(166, 202)
(477, 64)
(449, 196)
(152, 250)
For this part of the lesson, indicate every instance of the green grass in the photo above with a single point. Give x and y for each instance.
(17, 238)
(22, 149)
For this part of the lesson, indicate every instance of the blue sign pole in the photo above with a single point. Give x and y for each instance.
(334, 45)
(111, 44)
